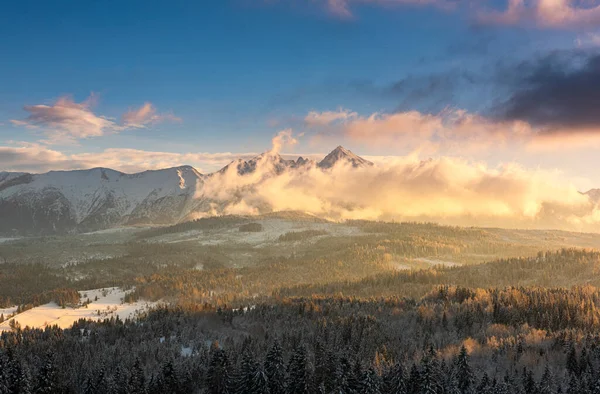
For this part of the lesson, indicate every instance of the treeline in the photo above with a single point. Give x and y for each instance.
(208, 223)
(454, 340)
(301, 235)
(563, 268)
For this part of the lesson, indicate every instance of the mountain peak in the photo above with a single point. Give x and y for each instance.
(342, 154)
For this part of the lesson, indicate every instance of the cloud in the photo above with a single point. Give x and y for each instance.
(343, 8)
(447, 190)
(315, 118)
(545, 13)
(589, 40)
(449, 131)
(66, 121)
(556, 93)
(28, 157)
(283, 139)
(556, 14)
(144, 116)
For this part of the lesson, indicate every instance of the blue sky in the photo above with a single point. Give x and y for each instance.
(226, 76)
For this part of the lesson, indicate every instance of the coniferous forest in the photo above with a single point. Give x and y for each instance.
(381, 311)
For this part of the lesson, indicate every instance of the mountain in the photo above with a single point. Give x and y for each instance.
(270, 162)
(87, 200)
(341, 154)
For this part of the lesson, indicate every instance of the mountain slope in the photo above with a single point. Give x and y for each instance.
(85, 200)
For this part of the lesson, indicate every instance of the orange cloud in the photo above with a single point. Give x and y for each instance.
(450, 131)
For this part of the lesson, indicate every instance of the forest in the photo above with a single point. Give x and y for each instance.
(314, 308)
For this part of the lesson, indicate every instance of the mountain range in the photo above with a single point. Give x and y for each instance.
(100, 198)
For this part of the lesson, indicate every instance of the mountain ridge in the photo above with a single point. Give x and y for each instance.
(80, 200)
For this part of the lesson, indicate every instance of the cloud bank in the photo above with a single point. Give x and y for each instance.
(446, 190)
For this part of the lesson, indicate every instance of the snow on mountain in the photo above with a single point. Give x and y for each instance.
(272, 162)
(341, 154)
(60, 201)
(101, 198)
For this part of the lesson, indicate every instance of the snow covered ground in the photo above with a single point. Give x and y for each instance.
(8, 311)
(3, 240)
(109, 304)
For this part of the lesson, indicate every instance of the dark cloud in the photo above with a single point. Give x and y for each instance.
(558, 90)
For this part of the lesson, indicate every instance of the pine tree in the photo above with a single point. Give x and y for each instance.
(170, 379)
(275, 370)
(260, 382)
(48, 381)
(395, 381)
(298, 373)
(137, 380)
(370, 383)
(414, 380)
(463, 375)
(246, 373)
(572, 361)
(546, 385)
(218, 379)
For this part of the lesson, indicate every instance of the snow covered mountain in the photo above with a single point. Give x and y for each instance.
(86, 200)
(271, 162)
(101, 198)
(341, 154)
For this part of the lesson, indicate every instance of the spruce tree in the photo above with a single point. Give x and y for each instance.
(463, 375)
(275, 369)
(395, 380)
(298, 373)
(218, 379)
(48, 380)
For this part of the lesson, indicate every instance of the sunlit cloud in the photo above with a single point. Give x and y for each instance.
(451, 131)
(66, 121)
(145, 115)
(447, 190)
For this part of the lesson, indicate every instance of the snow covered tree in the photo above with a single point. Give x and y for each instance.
(218, 379)
(463, 374)
(275, 369)
(48, 380)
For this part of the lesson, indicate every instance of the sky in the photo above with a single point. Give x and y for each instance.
(141, 85)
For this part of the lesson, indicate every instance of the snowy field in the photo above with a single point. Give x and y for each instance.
(109, 304)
